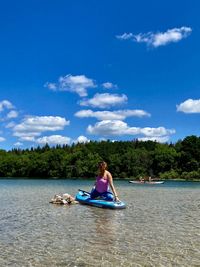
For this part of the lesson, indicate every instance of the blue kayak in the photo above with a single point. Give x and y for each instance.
(83, 197)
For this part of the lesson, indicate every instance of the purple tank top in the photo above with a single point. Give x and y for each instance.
(102, 184)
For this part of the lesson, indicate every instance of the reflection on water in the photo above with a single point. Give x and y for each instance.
(160, 226)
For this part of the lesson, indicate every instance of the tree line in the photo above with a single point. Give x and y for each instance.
(126, 159)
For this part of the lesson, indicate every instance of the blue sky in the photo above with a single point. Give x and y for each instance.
(73, 71)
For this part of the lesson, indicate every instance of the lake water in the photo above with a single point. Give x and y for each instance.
(159, 227)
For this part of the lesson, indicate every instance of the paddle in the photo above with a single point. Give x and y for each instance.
(84, 191)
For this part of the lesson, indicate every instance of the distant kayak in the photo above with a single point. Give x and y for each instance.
(83, 197)
(147, 182)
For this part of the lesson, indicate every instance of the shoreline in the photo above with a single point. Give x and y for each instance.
(74, 178)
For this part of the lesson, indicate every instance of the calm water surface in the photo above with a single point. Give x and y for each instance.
(160, 227)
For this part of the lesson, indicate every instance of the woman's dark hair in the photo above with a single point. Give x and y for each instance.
(102, 163)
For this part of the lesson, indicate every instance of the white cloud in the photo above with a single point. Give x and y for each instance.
(25, 137)
(77, 84)
(189, 106)
(109, 85)
(60, 140)
(159, 38)
(104, 100)
(2, 139)
(51, 86)
(18, 144)
(118, 128)
(10, 124)
(7, 108)
(12, 114)
(162, 139)
(111, 115)
(152, 132)
(82, 139)
(125, 36)
(172, 35)
(33, 126)
(53, 140)
(112, 127)
(5, 104)
(108, 127)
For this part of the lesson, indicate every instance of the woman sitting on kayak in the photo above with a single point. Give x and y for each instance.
(103, 181)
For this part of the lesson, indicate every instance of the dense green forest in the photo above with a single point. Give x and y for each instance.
(126, 159)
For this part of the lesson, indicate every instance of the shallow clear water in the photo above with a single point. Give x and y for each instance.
(159, 227)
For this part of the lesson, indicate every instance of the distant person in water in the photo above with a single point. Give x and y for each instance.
(104, 180)
(145, 179)
(142, 180)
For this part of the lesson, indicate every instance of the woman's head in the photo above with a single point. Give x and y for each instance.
(102, 165)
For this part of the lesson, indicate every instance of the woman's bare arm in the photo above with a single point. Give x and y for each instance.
(110, 180)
